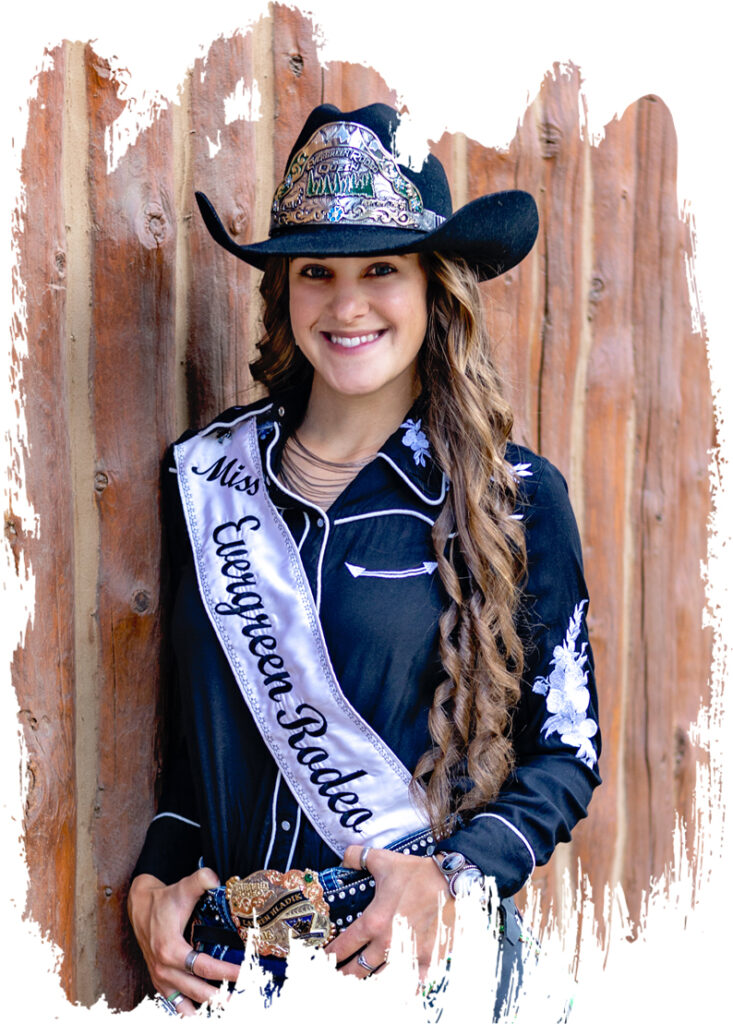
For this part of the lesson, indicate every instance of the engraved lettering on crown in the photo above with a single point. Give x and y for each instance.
(344, 174)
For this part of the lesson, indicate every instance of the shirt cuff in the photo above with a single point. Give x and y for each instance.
(172, 848)
(498, 847)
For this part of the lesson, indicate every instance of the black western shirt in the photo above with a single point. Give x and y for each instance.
(371, 567)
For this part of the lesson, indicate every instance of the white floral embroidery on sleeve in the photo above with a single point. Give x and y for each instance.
(521, 469)
(566, 693)
(415, 438)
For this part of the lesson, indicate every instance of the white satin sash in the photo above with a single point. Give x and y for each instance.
(346, 779)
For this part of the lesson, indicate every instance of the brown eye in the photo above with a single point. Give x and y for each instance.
(315, 271)
(381, 269)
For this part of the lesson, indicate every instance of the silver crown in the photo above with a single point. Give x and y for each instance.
(344, 175)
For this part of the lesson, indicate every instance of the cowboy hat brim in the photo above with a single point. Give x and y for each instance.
(492, 233)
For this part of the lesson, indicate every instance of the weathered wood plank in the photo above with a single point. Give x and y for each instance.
(516, 301)
(224, 161)
(133, 325)
(649, 730)
(695, 439)
(43, 670)
(297, 80)
(608, 539)
(350, 86)
(563, 206)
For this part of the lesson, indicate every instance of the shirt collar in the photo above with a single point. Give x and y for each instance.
(408, 450)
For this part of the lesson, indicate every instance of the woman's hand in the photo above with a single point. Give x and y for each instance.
(410, 886)
(159, 914)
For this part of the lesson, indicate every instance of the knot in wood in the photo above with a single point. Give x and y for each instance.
(550, 139)
(595, 292)
(296, 63)
(156, 223)
(60, 262)
(239, 223)
(680, 750)
(100, 482)
(140, 601)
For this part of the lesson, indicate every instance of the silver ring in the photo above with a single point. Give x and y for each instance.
(175, 998)
(363, 962)
(190, 961)
(365, 851)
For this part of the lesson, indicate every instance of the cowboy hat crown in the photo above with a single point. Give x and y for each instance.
(344, 193)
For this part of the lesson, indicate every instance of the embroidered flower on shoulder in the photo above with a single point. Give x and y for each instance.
(265, 429)
(566, 693)
(415, 438)
(521, 469)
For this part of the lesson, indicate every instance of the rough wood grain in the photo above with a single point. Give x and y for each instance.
(224, 161)
(608, 541)
(43, 669)
(133, 282)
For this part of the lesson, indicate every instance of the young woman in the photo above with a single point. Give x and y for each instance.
(385, 690)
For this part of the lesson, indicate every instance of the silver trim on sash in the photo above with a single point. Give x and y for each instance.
(348, 782)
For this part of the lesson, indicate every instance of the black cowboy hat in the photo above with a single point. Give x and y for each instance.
(344, 194)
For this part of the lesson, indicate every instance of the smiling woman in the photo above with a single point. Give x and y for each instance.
(360, 323)
(358, 629)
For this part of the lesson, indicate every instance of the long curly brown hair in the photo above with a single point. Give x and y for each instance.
(479, 546)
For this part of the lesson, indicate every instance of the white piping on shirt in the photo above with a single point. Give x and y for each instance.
(421, 494)
(233, 423)
(386, 512)
(305, 531)
(392, 574)
(178, 817)
(302, 500)
(515, 830)
(275, 791)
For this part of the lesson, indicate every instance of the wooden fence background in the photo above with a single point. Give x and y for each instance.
(138, 325)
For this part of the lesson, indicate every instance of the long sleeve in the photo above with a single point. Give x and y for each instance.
(555, 725)
(173, 844)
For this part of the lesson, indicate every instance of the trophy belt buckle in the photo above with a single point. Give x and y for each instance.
(277, 907)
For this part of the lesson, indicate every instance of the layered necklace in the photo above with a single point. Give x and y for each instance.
(313, 478)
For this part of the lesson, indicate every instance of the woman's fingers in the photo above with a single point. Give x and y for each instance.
(409, 886)
(159, 914)
(211, 969)
(180, 1004)
(370, 960)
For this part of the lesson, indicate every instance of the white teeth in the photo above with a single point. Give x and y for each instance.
(362, 339)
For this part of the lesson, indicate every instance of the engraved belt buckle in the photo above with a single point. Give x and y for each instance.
(279, 905)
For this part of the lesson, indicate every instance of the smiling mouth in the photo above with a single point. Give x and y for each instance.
(352, 342)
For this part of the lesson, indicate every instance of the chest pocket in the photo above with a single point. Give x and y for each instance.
(426, 568)
(396, 548)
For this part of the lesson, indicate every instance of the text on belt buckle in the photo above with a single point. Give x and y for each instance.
(279, 904)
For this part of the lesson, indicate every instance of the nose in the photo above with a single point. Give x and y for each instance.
(348, 301)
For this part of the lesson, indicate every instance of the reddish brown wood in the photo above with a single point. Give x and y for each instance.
(609, 406)
(131, 376)
(297, 79)
(43, 669)
(561, 213)
(516, 301)
(220, 344)
(656, 341)
(350, 86)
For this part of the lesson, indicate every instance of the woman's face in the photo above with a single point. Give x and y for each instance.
(360, 321)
